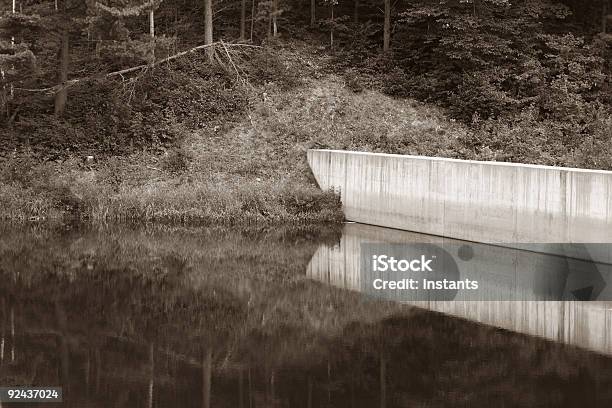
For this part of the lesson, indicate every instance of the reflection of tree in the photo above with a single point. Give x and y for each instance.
(151, 375)
(64, 352)
(12, 334)
(383, 379)
(206, 376)
(2, 332)
(135, 316)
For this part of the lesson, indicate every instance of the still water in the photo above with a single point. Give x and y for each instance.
(181, 317)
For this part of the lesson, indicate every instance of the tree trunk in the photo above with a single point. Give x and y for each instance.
(604, 17)
(152, 33)
(208, 29)
(252, 18)
(61, 97)
(274, 16)
(331, 33)
(269, 26)
(243, 20)
(13, 45)
(387, 26)
(313, 18)
(152, 23)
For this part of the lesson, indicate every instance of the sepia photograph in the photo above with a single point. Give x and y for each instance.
(306, 203)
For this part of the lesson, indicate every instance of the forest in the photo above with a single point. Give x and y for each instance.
(102, 97)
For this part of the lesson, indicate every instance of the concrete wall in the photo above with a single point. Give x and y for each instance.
(489, 202)
(500, 272)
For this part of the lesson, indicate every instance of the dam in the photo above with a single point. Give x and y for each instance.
(491, 202)
(533, 234)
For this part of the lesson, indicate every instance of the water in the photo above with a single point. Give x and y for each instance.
(514, 281)
(180, 317)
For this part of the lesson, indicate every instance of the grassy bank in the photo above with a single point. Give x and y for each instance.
(145, 187)
(243, 165)
(201, 144)
(190, 149)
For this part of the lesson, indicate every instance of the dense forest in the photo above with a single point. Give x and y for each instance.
(506, 80)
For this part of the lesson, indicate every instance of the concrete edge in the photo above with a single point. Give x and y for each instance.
(491, 163)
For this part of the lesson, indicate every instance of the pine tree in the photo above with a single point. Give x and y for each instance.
(387, 26)
(110, 23)
(208, 28)
(17, 61)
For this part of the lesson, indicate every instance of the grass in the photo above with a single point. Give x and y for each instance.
(248, 166)
(238, 169)
(67, 190)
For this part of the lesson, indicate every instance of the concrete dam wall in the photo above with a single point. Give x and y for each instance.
(491, 202)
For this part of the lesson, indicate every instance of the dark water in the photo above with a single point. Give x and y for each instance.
(526, 291)
(221, 318)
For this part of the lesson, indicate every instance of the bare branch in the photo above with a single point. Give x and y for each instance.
(55, 89)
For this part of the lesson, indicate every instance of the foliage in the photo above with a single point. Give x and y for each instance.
(150, 110)
(514, 81)
(530, 89)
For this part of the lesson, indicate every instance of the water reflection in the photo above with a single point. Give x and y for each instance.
(503, 274)
(215, 318)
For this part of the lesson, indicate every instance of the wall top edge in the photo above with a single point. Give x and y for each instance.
(445, 159)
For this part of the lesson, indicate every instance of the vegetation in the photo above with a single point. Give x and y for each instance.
(106, 114)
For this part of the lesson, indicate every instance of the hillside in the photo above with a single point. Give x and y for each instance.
(109, 113)
(246, 166)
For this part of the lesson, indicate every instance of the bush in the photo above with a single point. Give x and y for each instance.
(113, 117)
(176, 161)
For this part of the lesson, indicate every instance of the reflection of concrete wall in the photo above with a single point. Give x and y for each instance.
(475, 201)
(500, 272)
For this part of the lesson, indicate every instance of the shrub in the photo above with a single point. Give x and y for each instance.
(176, 161)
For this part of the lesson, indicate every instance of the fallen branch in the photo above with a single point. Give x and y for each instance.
(52, 90)
(238, 77)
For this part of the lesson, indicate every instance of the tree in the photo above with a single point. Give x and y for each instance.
(61, 97)
(313, 9)
(57, 24)
(604, 16)
(208, 29)
(242, 20)
(275, 12)
(387, 26)
(268, 11)
(331, 22)
(108, 22)
(253, 17)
